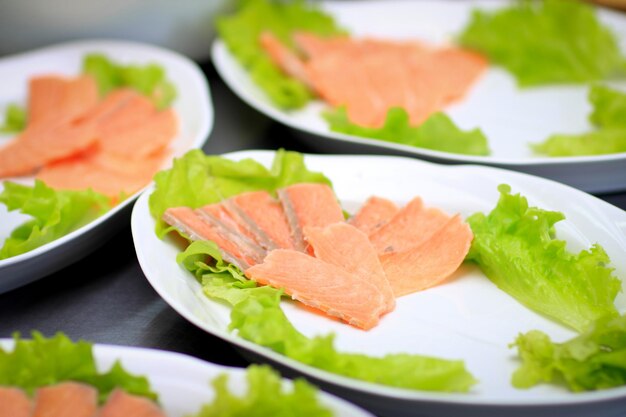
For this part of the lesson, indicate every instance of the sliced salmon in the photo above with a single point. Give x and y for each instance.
(308, 204)
(14, 403)
(411, 225)
(263, 217)
(322, 286)
(68, 399)
(187, 221)
(348, 248)
(121, 404)
(431, 262)
(287, 59)
(373, 214)
(57, 99)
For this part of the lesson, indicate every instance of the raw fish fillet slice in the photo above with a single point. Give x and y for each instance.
(187, 221)
(68, 399)
(308, 204)
(121, 404)
(373, 214)
(322, 286)
(431, 262)
(348, 248)
(220, 220)
(57, 99)
(286, 59)
(14, 403)
(263, 216)
(412, 225)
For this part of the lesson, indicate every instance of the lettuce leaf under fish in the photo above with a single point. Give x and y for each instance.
(257, 316)
(45, 361)
(149, 80)
(516, 248)
(438, 132)
(14, 119)
(197, 179)
(608, 115)
(265, 396)
(55, 213)
(241, 30)
(545, 42)
(596, 359)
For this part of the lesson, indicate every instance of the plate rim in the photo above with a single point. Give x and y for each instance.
(389, 393)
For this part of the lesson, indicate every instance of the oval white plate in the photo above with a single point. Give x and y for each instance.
(183, 383)
(193, 108)
(465, 318)
(510, 118)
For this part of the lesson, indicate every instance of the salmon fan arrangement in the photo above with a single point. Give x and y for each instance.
(73, 399)
(76, 140)
(371, 76)
(301, 242)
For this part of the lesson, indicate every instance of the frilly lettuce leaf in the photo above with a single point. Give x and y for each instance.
(14, 119)
(257, 316)
(265, 396)
(45, 361)
(608, 115)
(544, 42)
(55, 213)
(149, 80)
(241, 30)
(515, 247)
(197, 179)
(596, 359)
(438, 132)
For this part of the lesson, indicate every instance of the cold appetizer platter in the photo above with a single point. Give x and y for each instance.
(538, 87)
(83, 128)
(108, 381)
(398, 283)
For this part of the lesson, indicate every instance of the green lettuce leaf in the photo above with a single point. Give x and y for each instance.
(609, 115)
(544, 42)
(596, 359)
(241, 30)
(265, 397)
(45, 361)
(197, 179)
(438, 132)
(515, 247)
(149, 80)
(55, 214)
(14, 119)
(257, 316)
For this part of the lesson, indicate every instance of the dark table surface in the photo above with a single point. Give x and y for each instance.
(105, 297)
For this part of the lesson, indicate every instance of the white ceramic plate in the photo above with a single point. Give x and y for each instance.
(510, 118)
(465, 318)
(182, 382)
(192, 105)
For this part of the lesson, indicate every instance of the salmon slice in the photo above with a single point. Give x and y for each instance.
(227, 227)
(57, 99)
(373, 214)
(187, 221)
(412, 225)
(14, 403)
(322, 286)
(263, 217)
(121, 404)
(68, 399)
(284, 57)
(431, 262)
(348, 248)
(309, 205)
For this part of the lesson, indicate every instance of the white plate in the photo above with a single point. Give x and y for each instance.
(510, 118)
(466, 317)
(193, 108)
(183, 383)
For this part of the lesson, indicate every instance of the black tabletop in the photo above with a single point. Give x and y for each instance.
(105, 297)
